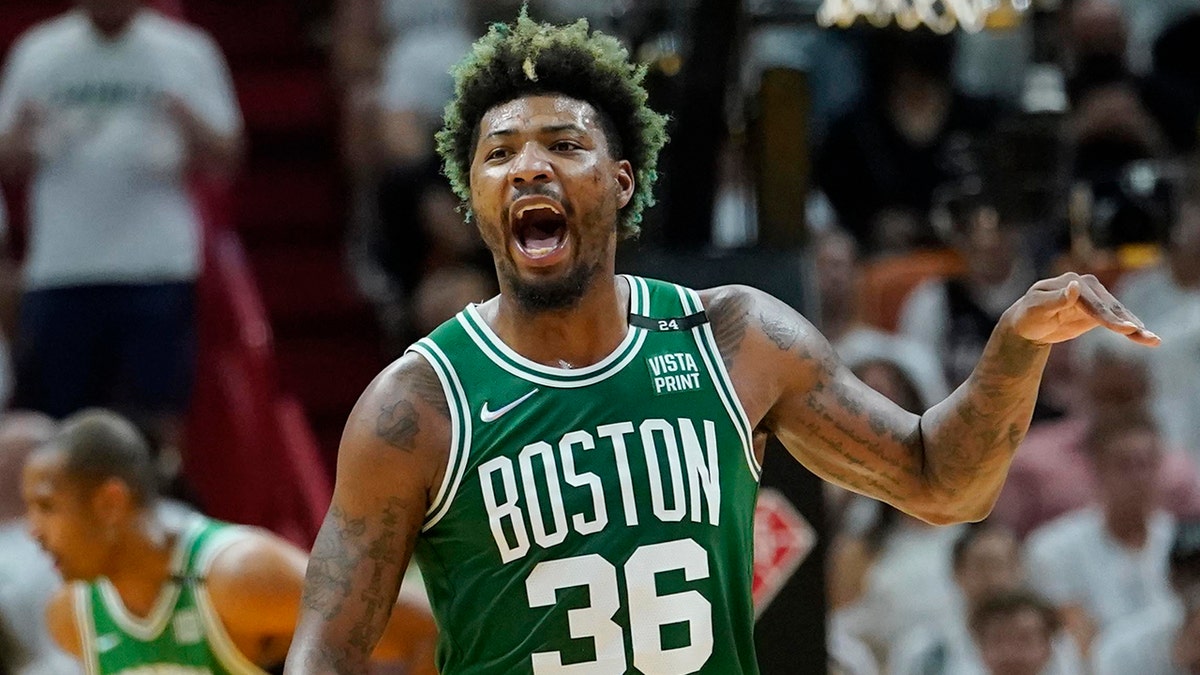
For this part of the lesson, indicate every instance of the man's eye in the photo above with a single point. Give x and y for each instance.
(565, 146)
(498, 153)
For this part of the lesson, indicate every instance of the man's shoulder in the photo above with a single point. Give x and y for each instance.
(49, 35)
(240, 557)
(180, 36)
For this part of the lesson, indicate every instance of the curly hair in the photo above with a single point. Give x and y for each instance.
(527, 57)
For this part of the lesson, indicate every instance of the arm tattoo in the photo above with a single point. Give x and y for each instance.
(377, 606)
(331, 562)
(426, 385)
(397, 424)
(730, 317)
(783, 333)
(347, 582)
(975, 438)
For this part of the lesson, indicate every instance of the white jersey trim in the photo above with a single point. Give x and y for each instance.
(231, 658)
(82, 604)
(460, 429)
(707, 344)
(514, 363)
(164, 606)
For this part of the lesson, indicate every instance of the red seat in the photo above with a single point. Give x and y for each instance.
(888, 281)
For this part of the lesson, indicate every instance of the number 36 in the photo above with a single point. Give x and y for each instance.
(648, 610)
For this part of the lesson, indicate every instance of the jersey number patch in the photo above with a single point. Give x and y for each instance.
(648, 611)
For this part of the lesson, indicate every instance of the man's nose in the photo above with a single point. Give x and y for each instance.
(531, 165)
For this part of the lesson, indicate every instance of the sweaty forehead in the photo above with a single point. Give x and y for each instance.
(530, 113)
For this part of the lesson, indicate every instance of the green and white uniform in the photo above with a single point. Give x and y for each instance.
(182, 635)
(594, 521)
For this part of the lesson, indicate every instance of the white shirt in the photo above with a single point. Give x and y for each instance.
(1073, 560)
(925, 314)
(1141, 644)
(108, 202)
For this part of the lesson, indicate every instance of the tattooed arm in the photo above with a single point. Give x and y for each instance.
(392, 456)
(945, 466)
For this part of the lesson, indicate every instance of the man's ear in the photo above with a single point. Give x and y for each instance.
(625, 182)
(112, 501)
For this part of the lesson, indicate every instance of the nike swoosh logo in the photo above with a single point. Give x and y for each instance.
(486, 415)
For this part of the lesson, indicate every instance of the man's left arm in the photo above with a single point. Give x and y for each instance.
(204, 106)
(945, 466)
(209, 148)
(969, 438)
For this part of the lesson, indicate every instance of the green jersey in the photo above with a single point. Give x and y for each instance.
(182, 635)
(593, 521)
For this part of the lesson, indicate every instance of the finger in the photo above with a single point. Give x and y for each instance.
(1115, 308)
(1059, 298)
(1103, 312)
(1144, 337)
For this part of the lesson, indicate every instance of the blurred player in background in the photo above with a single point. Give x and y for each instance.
(152, 587)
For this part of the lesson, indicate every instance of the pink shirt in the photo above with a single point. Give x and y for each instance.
(1051, 475)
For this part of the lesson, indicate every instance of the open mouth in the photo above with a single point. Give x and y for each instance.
(540, 228)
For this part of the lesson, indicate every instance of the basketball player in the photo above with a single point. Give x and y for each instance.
(164, 591)
(572, 462)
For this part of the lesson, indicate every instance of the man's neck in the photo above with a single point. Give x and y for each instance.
(141, 561)
(113, 31)
(575, 337)
(1131, 530)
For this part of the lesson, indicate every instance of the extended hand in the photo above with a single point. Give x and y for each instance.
(1067, 306)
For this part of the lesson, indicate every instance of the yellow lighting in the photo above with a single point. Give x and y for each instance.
(941, 16)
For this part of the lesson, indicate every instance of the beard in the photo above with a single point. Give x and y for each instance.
(554, 294)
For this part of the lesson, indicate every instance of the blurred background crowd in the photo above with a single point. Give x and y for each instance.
(223, 220)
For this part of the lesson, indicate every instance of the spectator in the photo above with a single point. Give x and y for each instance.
(1164, 640)
(27, 577)
(835, 254)
(889, 571)
(1015, 632)
(1053, 472)
(108, 106)
(1096, 35)
(419, 228)
(987, 562)
(1104, 563)
(1167, 296)
(883, 160)
(955, 317)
